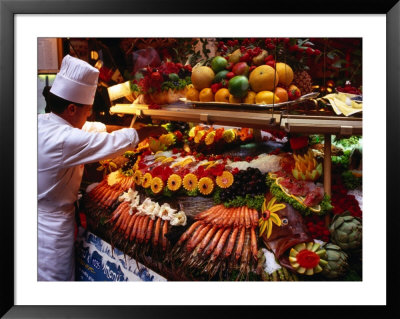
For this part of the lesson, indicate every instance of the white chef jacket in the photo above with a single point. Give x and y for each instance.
(62, 152)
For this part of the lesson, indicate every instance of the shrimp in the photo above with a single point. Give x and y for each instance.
(207, 238)
(163, 237)
(239, 246)
(215, 215)
(221, 244)
(207, 212)
(135, 228)
(143, 229)
(255, 218)
(120, 220)
(232, 217)
(254, 249)
(130, 225)
(149, 230)
(245, 257)
(197, 237)
(246, 216)
(214, 241)
(231, 242)
(157, 232)
(117, 212)
(188, 232)
(218, 221)
(242, 217)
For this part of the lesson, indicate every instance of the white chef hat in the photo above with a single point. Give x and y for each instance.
(76, 81)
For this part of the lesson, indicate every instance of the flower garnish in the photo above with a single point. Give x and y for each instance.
(138, 177)
(174, 182)
(268, 217)
(146, 181)
(157, 185)
(306, 258)
(225, 180)
(107, 166)
(206, 185)
(190, 182)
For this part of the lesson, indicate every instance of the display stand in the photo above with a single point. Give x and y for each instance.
(327, 125)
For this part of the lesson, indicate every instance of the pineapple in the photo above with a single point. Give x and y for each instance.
(303, 81)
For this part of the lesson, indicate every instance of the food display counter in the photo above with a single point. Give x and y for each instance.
(249, 183)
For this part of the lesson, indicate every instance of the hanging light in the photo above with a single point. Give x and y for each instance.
(94, 55)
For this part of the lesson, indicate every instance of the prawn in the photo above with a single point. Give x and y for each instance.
(130, 225)
(231, 242)
(239, 246)
(197, 237)
(246, 216)
(207, 212)
(149, 230)
(221, 244)
(190, 230)
(157, 232)
(214, 241)
(254, 249)
(164, 232)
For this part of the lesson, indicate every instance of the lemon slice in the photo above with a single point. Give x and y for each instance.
(160, 159)
(206, 163)
(167, 160)
(212, 165)
(186, 162)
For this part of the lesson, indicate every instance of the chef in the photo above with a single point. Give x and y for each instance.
(63, 149)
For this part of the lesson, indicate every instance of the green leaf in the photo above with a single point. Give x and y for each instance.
(331, 55)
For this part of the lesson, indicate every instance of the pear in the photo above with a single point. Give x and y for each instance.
(259, 59)
(234, 57)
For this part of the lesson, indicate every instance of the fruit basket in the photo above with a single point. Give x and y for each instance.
(245, 106)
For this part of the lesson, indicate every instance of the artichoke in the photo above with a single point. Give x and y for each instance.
(337, 265)
(346, 231)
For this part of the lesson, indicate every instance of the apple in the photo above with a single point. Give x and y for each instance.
(241, 68)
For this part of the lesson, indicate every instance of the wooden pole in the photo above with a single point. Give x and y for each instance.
(327, 171)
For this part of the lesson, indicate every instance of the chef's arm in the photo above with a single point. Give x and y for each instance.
(83, 147)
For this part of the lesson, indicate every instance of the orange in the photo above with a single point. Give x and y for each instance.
(222, 95)
(206, 95)
(266, 97)
(282, 94)
(233, 99)
(285, 73)
(250, 97)
(202, 77)
(263, 78)
(192, 94)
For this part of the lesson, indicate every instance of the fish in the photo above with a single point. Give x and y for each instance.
(292, 231)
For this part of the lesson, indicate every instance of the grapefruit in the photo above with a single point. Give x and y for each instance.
(266, 97)
(206, 95)
(250, 98)
(192, 94)
(285, 73)
(222, 95)
(202, 77)
(263, 78)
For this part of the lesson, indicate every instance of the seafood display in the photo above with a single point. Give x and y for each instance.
(218, 242)
(206, 216)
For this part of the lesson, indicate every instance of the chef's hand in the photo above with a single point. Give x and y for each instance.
(147, 131)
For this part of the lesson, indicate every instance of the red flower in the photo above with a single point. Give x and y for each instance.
(178, 135)
(298, 142)
(215, 87)
(235, 171)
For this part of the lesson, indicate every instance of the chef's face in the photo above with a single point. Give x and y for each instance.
(81, 115)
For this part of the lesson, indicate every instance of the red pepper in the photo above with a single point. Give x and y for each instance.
(299, 142)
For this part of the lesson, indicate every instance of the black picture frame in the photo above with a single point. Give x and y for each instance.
(8, 10)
